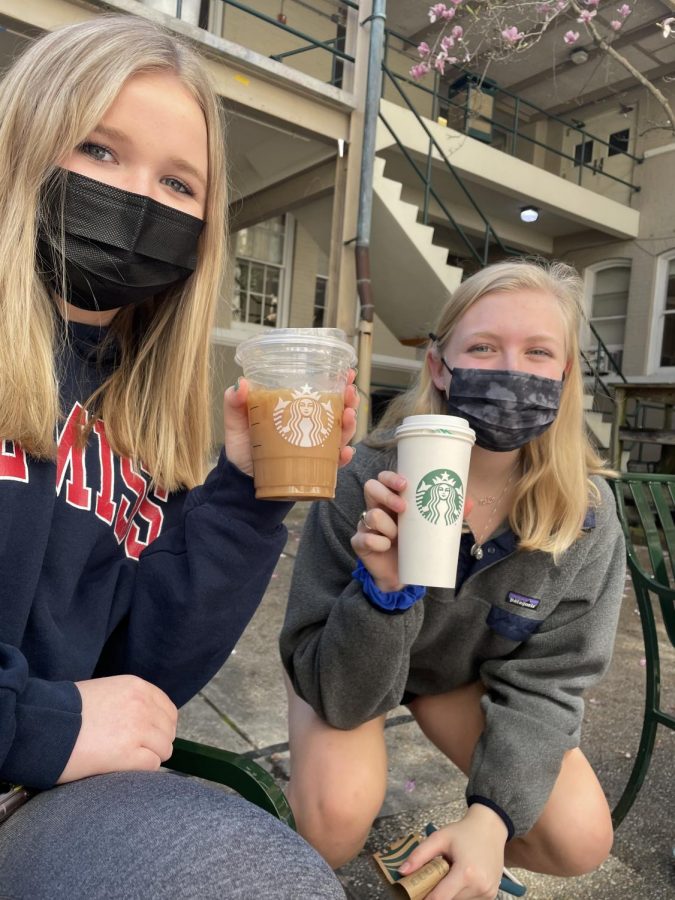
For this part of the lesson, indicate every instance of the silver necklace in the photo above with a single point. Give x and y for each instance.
(477, 547)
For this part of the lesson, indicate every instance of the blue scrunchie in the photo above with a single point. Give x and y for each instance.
(387, 601)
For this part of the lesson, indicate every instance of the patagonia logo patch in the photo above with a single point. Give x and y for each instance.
(522, 600)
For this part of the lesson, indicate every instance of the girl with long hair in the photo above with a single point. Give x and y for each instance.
(126, 575)
(494, 670)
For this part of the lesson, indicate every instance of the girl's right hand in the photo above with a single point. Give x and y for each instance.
(127, 724)
(375, 540)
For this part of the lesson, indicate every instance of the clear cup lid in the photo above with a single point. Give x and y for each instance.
(279, 338)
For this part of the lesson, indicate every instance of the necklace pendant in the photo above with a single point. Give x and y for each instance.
(477, 551)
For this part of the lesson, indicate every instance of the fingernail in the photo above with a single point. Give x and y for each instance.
(236, 384)
(404, 868)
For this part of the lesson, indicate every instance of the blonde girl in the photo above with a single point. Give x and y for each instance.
(126, 577)
(493, 671)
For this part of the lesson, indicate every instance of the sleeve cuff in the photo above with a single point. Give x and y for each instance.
(233, 491)
(48, 719)
(390, 602)
(506, 819)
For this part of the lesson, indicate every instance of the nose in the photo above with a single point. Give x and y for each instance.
(140, 181)
(511, 360)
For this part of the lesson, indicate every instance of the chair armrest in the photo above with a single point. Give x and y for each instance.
(241, 774)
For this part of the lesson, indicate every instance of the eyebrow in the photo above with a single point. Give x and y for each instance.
(176, 161)
(530, 337)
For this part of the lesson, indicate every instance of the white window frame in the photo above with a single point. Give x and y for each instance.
(590, 278)
(285, 282)
(654, 366)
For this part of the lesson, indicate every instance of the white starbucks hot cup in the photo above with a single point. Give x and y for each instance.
(433, 455)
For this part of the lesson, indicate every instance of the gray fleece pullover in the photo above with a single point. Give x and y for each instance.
(535, 633)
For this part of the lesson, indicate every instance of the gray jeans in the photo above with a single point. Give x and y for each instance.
(154, 836)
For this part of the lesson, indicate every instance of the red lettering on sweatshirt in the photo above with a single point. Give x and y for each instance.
(105, 505)
(126, 511)
(70, 459)
(13, 462)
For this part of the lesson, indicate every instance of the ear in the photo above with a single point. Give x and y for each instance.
(568, 366)
(437, 371)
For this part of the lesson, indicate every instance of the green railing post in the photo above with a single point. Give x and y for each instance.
(514, 134)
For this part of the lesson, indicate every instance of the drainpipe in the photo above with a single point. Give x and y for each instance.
(363, 283)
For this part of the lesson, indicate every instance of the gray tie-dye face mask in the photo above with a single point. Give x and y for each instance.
(506, 409)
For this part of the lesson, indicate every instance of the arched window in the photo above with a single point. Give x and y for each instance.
(607, 287)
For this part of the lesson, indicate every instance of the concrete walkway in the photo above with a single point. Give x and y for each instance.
(244, 709)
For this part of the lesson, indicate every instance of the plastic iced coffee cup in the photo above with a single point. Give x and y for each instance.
(433, 455)
(297, 378)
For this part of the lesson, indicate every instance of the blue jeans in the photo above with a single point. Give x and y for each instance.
(154, 836)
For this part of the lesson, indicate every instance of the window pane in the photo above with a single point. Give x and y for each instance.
(609, 305)
(618, 142)
(319, 302)
(272, 280)
(670, 286)
(611, 332)
(257, 278)
(668, 346)
(255, 303)
(264, 241)
(583, 153)
(612, 280)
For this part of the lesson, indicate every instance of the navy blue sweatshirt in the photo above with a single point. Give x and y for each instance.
(99, 575)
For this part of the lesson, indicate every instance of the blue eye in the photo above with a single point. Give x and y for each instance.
(540, 351)
(177, 185)
(95, 151)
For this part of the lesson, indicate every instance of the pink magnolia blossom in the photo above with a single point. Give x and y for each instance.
(441, 11)
(571, 37)
(440, 62)
(420, 70)
(424, 49)
(447, 42)
(436, 12)
(624, 10)
(458, 32)
(511, 35)
(616, 24)
(586, 15)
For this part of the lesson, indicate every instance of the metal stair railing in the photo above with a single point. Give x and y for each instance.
(513, 129)
(490, 235)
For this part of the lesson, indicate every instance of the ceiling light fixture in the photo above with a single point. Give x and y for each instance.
(529, 213)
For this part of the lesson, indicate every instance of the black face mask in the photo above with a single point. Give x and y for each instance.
(506, 409)
(120, 248)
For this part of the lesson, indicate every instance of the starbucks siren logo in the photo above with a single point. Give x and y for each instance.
(440, 497)
(306, 420)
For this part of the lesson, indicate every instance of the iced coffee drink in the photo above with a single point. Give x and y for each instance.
(295, 436)
(297, 378)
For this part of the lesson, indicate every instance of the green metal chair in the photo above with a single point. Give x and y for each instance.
(238, 772)
(646, 507)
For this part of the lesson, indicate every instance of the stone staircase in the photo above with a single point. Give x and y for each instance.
(409, 271)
